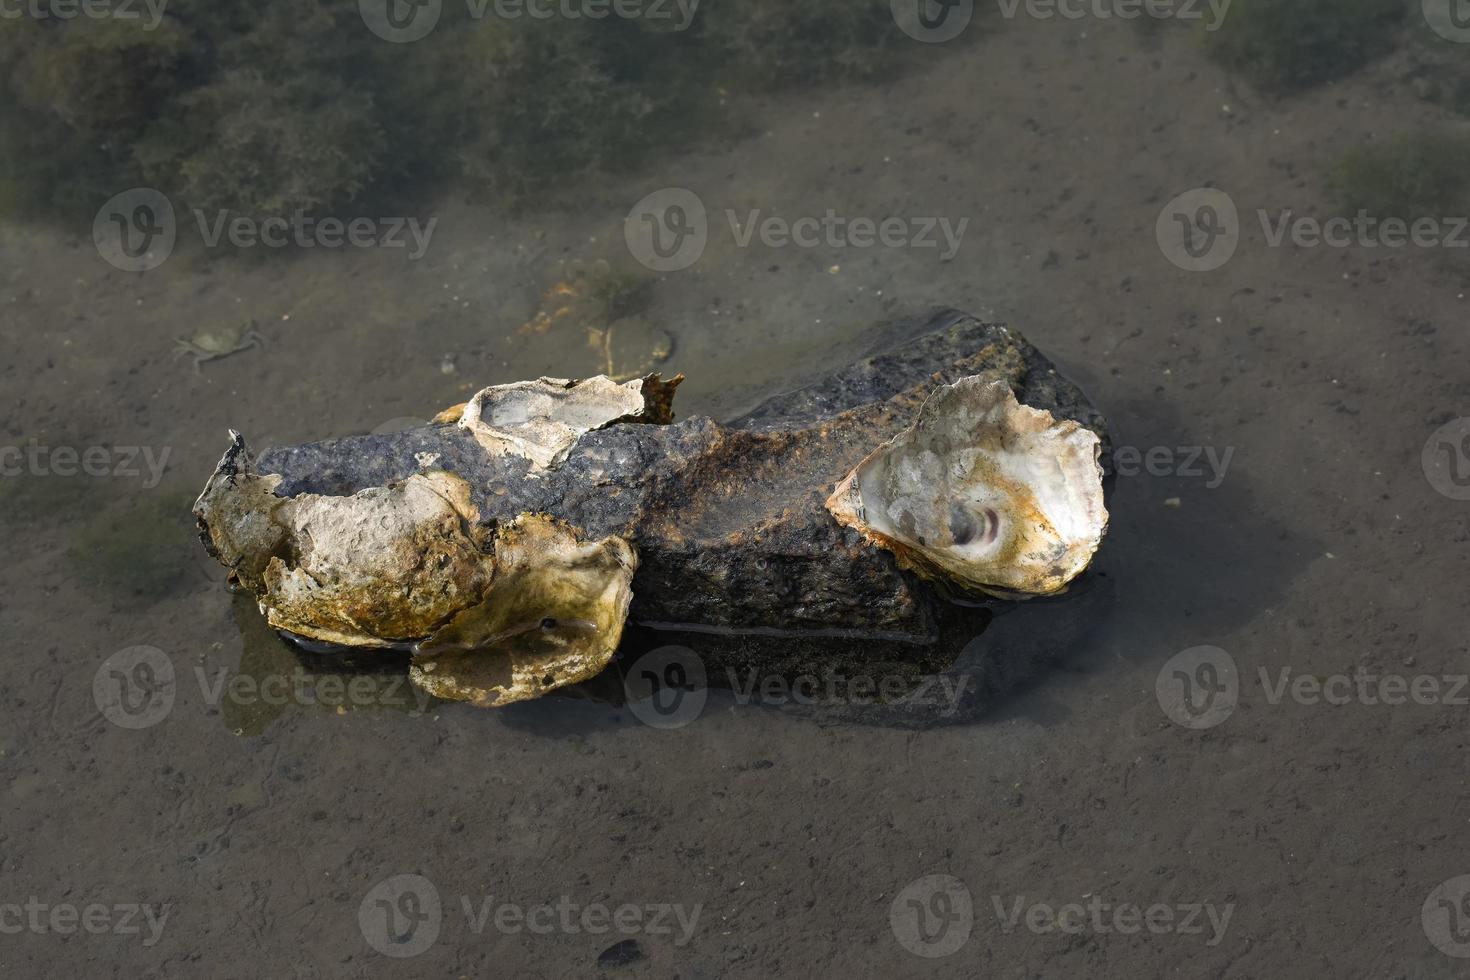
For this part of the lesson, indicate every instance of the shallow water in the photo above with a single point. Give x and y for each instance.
(1291, 521)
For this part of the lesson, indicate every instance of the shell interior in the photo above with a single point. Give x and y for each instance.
(983, 492)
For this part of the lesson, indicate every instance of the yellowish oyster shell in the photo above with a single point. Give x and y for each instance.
(553, 615)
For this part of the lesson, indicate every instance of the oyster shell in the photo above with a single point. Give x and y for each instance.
(372, 569)
(982, 491)
(542, 419)
(553, 615)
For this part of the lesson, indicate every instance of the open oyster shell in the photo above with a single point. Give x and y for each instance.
(982, 491)
(542, 419)
(553, 615)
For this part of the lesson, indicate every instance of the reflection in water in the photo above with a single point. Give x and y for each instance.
(277, 675)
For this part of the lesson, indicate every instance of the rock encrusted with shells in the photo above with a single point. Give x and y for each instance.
(500, 543)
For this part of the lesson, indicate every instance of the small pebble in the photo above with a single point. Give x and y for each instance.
(621, 954)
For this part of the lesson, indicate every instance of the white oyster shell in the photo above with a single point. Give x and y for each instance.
(983, 492)
(542, 419)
